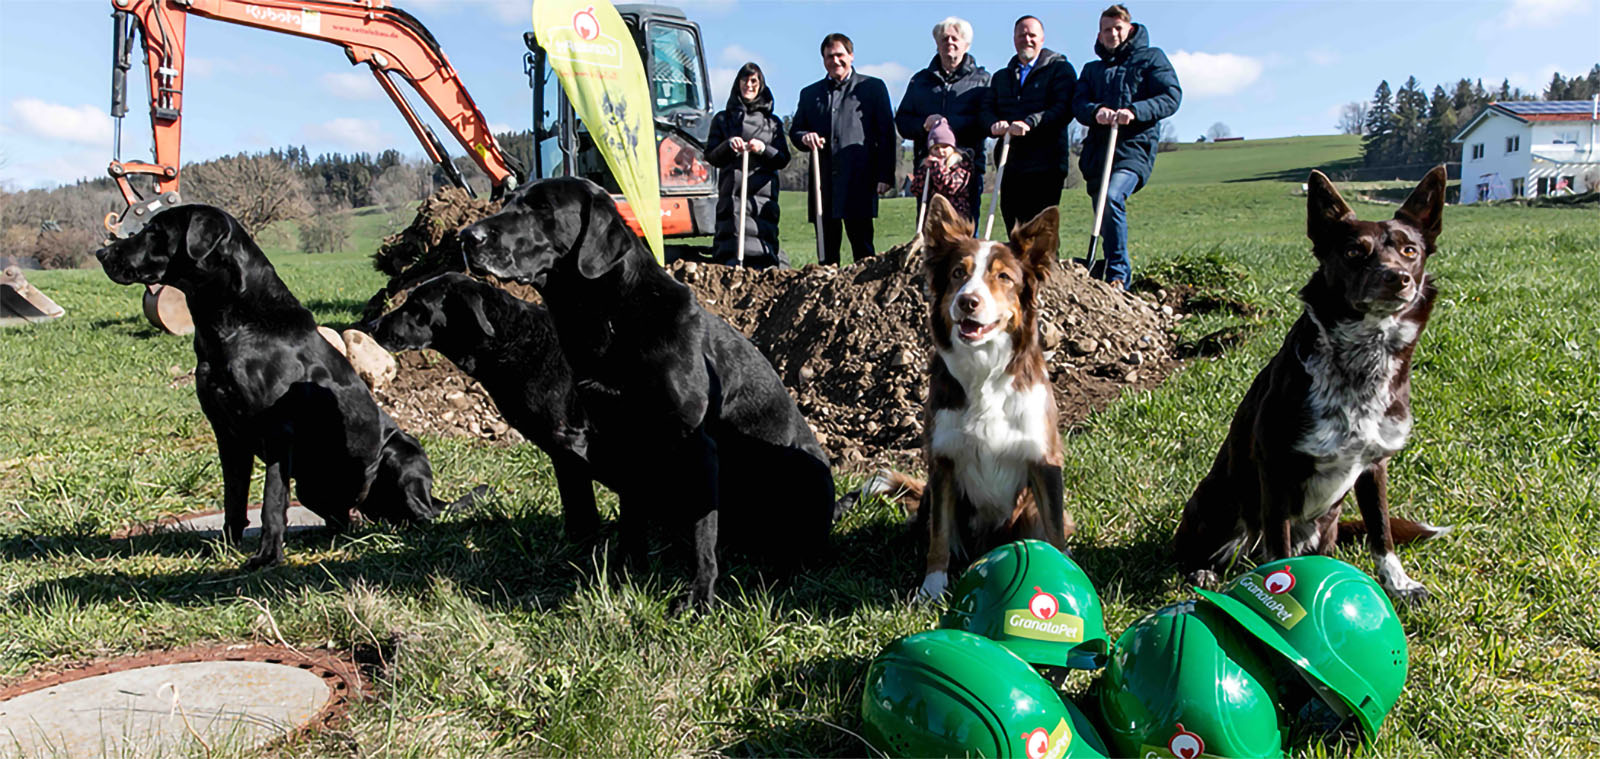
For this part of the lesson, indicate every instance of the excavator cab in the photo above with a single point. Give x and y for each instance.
(674, 61)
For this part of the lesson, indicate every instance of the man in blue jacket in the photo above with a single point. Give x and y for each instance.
(1132, 85)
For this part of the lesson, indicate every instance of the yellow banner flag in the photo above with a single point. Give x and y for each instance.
(594, 56)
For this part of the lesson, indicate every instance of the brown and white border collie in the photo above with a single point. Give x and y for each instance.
(990, 440)
(1333, 406)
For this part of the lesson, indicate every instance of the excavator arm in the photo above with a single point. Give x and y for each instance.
(386, 39)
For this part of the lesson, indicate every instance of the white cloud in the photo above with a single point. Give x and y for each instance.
(84, 124)
(1203, 74)
(351, 85)
(722, 81)
(497, 128)
(738, 55)
(350, 133)
(50, 168)
(893, 74)
(1539, 13)
(1531, 83)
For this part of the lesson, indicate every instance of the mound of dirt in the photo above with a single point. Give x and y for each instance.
(850, 343)
(430, 395)
(428, 246)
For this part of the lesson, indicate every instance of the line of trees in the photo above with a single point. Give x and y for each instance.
(1413, 127)
(61, 227)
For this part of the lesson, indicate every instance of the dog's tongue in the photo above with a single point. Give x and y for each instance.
(971, 329)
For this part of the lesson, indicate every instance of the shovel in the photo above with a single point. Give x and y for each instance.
(1100, 199)
(816, 194)
(744, 193)
(999, 174)
(922, 209)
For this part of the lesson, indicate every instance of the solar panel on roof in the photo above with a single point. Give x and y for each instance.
(1547, 106)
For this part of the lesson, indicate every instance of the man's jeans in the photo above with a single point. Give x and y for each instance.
(1114, 228)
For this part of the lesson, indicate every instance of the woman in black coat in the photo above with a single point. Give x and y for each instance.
(747, 125)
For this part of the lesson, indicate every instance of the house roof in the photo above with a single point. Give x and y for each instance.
(1530, 111)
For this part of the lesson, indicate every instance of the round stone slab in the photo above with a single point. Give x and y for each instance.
(208, 524)
(141, 707)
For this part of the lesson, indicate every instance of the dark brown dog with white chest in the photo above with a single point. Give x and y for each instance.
(990, 440)
(1333, 406)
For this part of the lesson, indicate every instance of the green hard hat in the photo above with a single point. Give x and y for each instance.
(1183, 683)
(952, 693)
(1036, 602)
(1333, 623)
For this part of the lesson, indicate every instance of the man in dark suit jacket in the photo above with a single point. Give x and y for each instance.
(1031, 98)
(845, 118)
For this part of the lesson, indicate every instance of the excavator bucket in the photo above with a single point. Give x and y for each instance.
(22, 303)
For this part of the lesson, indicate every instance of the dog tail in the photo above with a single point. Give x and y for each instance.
(900, 489)
(464, 503)
(1403, 530)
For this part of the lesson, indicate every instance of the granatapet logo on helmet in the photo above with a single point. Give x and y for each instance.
(1182, 745)
(1278, 606)
(1043, 605)
(1280, 581)
(1040, 744)
(583, 41)
(1043, 620)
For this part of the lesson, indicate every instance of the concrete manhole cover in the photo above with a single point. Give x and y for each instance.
(161, 704)
(208, 524)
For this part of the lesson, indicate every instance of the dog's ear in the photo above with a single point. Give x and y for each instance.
(943, 225)
(1425, 208)
(605, 239)
(208, 230)
(474, 303)
(1039, 240)
(1324, 206)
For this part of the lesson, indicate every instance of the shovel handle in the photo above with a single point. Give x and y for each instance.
(922, 209)
(1100, 197)
(816, 195)
(994, 194)
(744, 190)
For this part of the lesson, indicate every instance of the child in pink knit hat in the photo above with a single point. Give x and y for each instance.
(946, 170)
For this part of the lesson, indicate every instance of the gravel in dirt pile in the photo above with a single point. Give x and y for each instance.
(850, 343)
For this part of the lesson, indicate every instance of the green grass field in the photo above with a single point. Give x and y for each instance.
(503, 640)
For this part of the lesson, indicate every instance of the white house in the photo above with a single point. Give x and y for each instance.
(1530, 148)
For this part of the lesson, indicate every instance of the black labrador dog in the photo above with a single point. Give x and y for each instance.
(272, 387)
(510, 346)
(686, 417)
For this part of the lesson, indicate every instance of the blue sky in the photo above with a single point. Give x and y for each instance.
(1266, 69)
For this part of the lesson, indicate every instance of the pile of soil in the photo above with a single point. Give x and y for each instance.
(428, 246)
(430, 395)
(850, 343)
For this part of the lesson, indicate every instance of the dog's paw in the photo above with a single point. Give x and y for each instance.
(1204, 578)
(263, 559)
(1404, 590)
(933, 587)
(1413, 596)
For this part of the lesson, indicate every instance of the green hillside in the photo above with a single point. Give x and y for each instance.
(1287, 159)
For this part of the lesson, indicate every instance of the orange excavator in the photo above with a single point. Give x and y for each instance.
(388, 40)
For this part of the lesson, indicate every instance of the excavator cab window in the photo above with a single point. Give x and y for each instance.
(675, 72)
